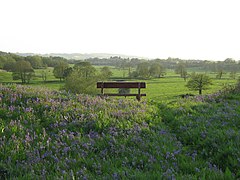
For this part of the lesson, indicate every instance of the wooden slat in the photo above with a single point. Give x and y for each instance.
(121, 85)
(122, 94)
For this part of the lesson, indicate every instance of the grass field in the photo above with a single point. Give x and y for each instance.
(49, 135)
(46, 134)
(160, 89)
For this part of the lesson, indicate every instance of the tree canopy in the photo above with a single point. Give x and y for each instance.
(199, 82)
(23, 70)
(59, 70)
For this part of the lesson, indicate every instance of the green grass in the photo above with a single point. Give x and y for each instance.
(49, 135)
(6, 77)
(160, 89)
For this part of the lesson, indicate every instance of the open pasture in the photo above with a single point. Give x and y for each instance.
(167, 88)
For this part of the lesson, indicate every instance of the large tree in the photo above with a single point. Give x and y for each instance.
(85, 69)
(143, 69)
(199, 82)
(36, 61)
(23, 70)
(106, 72)
(59, 70)
(156, 70)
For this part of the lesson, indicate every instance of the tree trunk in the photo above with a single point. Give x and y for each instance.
(200, 91)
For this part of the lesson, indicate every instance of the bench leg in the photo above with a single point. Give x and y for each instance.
(138, 97)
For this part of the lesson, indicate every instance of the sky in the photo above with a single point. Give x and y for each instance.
(187, 29)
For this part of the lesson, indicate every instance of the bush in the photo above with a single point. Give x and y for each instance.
(80, 85)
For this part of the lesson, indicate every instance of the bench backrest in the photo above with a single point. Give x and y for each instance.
(121, 85)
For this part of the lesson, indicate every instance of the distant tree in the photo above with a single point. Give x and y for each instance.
(9, 63)
(44, 74)
(85, 69)
(230, 61)
(199, 82)
(220, 74)
(15, 57)
(48, 61)
(233, 74)
(58, 70)
(129, 65)
(185, 75)
(123, 66)
(3, 60)
(67, 72)
(36, 61)
(23, 70)
(106, 72)
(156, 70)
(181, 69)
(143, 70)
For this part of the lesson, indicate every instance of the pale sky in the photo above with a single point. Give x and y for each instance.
(189, 29)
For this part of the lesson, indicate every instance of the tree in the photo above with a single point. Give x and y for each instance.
(123, 66)
(9, 66)
(76, 84)
(199, 82)
(85, 69)
(44, 73)
(142, 70)
(58, 70)
(185, 75)
(181, 69)
(106, 72)
(3, 60)
(36, 61)
(156, 70)
(82, 79)
(67, 72)
(23, 70)
(220, 74)
(233, 74)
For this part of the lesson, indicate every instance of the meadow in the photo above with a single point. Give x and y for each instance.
(167, 88)
(50, 134)
(47, 134)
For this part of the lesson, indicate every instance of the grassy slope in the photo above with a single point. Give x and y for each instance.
(47, 134)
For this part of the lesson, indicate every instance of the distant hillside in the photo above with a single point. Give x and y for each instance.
(81, 56)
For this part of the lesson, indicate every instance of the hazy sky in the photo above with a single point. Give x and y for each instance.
(198, 29)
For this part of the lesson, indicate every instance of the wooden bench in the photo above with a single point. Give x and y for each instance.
(138, 85)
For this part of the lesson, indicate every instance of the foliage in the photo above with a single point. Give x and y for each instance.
(44, 74)
(76, 84)
(233, 74)
(9, 66)
(85, 70)
(59, 70)
(35, 61)
(143, 70)
(23, 70)
(48, 134)
(57, 135)
(3, 60)
(82, 79)
(220, 74)
(181, 69)
(156, 70)
(208, 126)
(106, 72)
(199, 82)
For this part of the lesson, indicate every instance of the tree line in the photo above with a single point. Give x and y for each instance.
(81, 77)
